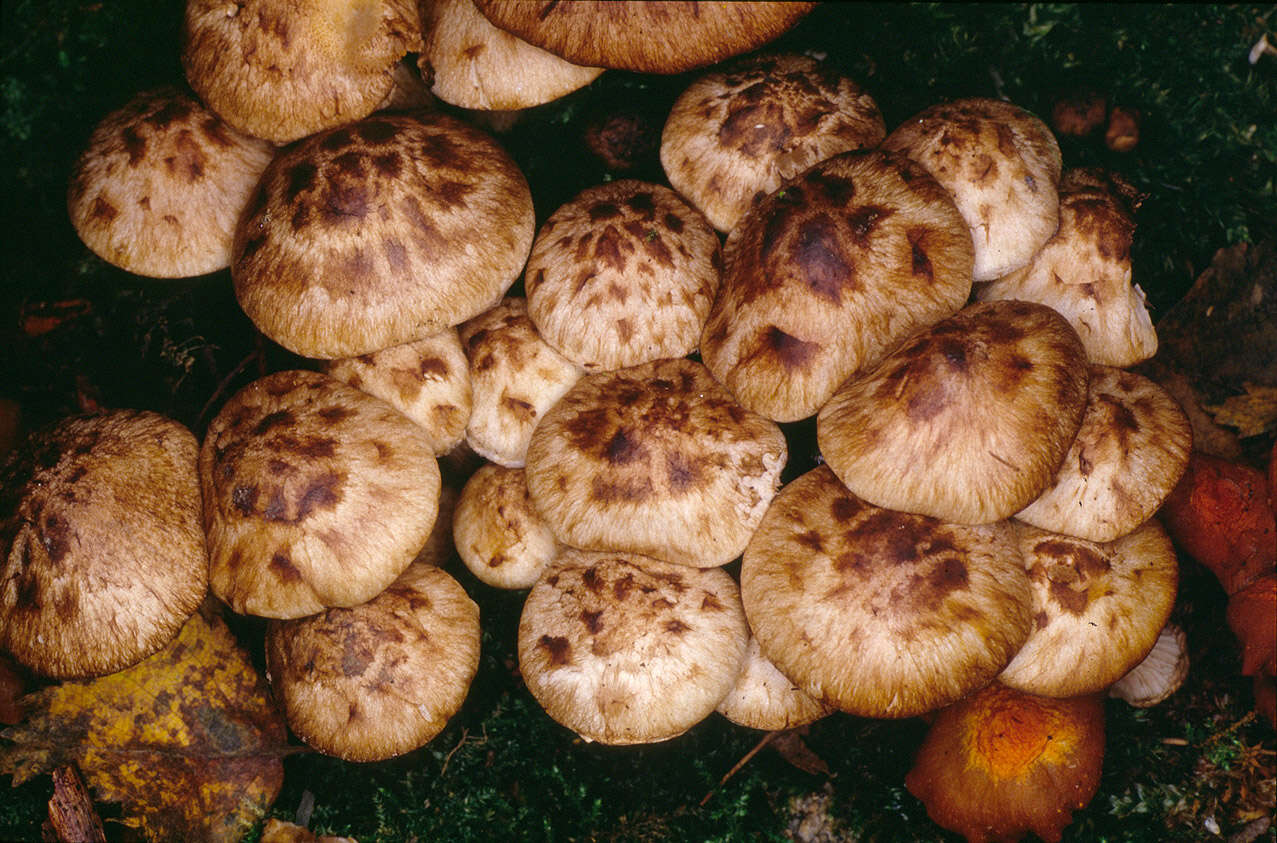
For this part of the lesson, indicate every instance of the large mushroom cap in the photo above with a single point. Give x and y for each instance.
(498, 533)
(881, 613)
(380, 679)
(968, 420)
(735, 134)
(655, 459)
(159, 187)
(625, 650)
(647, 37)
(379, 233)
(103, 550)
(1002, 165)
(284, 69)
(315, 495)
(827, 274)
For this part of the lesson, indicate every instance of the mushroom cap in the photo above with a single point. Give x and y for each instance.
(1084, 272)
(827, 274)
(968, 420)
(161, 183)
(1098, 608)
(1002, 763)
(103, 550)
(735, 134)
(1002, 166)
(499, 534)
(515, 376)
(285, 69)
(623, 274)
(764, 698)
(315, 495)
(1160, 674)
(881, 613)
(647, 37)
(377, 680)
(623, 650)
(1130, 451)
(475, 65)
(428, 380)
(656, 459)
(379, 233)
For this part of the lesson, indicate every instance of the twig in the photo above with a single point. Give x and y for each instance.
(226, 382)
(464, 734)
(767, 738)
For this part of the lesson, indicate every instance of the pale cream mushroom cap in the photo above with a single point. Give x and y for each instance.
(624, 650)
(1160, 674)
(764, 698)
(499, 534)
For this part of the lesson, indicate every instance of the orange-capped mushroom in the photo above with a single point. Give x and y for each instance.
(1252, 616)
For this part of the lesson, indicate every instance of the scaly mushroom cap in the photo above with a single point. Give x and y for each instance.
(285, 69)
(515, 375)
(646, 37)
(1130, 451)
(1002, 166)
(315, 495)
(655, 459)
(1160, 674)
(827, 274)
(499, 534)
(475, 65)
(967, 421)
(623, 274)
(764, 698)
(379, 679)
(1001, 764)
(159, 187)
(735, 134)
(379, 233)
(103, 551)
(1098, 608)
(881, 613)
(623, 650)
(427, 380)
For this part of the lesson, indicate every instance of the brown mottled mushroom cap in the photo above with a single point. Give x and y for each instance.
(379, 233)
(103, 551)
(968, 420)
(1130, 451)
(1098, 608)
(1161, 673)
(827, 274)
(623, 274)
(735, 134)
(316, 495)
(624, 650)
(285, 69)
(515, 375)
(764, 698)
(380, 679)
(881, 613)
(161, 183)
(655, 459)
(475, 65)
(647, 37)
(1002, 166)
(498, 532)
(428, 380)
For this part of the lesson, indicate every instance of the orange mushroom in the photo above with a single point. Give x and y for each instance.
(1252, 616)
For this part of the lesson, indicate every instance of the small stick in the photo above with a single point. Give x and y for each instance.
(767, 738)
(464, 734)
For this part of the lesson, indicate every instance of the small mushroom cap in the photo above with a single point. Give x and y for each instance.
(1130, 451)
(827, 274)
(159, 187)
(1160, 674)
(315, 495)
(428, 380)
(499, 534)
(379, 233)
(647, 37)
(285, 69)
(515, 375)
(764, 698)
(968, 420)
(1002, 166)
(103, 550)
(380, 679)
(881, 613)
(475, 65)
(623, 649)
(655, 459)
(735, 134)
(1098, 608)
(623, 274)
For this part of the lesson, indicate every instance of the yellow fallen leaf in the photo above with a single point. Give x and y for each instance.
(1251, 414)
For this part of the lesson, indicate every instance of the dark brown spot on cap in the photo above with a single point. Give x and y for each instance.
(284, 569)
(676, 627)
(624, 448)
(134, 145)
(557, 649)
(865, 220)
(376, 131)
(593, 621)
(792, 352)
(820, 257)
